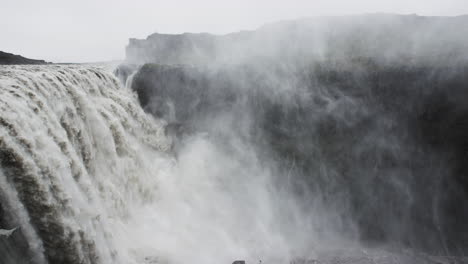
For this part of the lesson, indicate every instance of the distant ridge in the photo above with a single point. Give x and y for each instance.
(9, 58)
(389, 38)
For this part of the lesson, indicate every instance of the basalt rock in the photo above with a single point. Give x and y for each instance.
(384, 141)
(8, 58)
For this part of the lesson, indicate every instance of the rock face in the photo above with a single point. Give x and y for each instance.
(388, 38)
(8, 58)
(364, 114)
(381, 144)
(372, 256)
(164, 48)
(369, 110)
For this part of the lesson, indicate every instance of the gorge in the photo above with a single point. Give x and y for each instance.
(322, 140)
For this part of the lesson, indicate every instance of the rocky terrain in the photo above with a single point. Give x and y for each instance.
(9, 58)
(333, 140)
(397, 129)
(365, 114)
(372, 256)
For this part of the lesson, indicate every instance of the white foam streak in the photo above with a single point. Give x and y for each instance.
(103, 167)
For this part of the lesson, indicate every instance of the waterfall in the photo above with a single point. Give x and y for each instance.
(77, 152)
(88, 177)
(276, 163)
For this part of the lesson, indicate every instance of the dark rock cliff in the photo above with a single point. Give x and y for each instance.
(367, 114)
(383, 145)
(8, 58)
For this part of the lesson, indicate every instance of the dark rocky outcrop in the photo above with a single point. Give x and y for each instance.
(383, 143)
(8, 58)
(365, 113)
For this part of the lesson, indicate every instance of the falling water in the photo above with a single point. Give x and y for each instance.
(88, 177)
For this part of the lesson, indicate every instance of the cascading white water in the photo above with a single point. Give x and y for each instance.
(88, 155)
(89, 178)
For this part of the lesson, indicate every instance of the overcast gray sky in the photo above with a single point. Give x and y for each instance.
(98, 30)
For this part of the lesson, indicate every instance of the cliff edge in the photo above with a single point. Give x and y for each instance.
(9, 58)
(387, 38)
